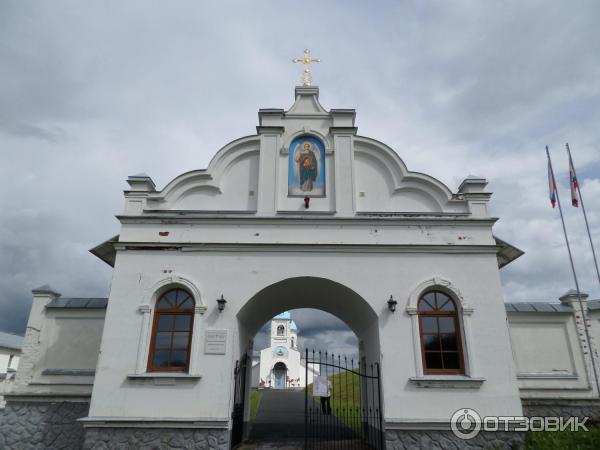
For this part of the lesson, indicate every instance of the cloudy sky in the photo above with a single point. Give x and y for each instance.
(91, 92)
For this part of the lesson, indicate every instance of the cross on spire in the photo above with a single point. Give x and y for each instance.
(306, 61)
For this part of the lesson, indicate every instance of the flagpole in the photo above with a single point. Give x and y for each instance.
(583, 311)
(587, 225)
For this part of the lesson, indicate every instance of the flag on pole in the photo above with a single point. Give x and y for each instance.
(552, 185)
(574, 184)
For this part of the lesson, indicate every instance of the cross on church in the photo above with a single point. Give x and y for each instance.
(306, 61)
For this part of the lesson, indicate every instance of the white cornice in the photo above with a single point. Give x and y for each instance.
(158, 422)
(311, 248)
(183, 217)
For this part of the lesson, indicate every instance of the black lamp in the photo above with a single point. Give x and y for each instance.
(221, 302)
(392, 304)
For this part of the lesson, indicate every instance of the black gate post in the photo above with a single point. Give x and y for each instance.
(306, 399)
(239, 396)
(381, 433)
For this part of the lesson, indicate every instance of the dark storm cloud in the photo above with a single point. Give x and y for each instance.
(317, 330)
(93, 92)
(313, 321)
(24, 130)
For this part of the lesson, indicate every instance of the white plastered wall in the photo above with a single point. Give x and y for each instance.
(60, 350)
(549, 359)
(211, 271)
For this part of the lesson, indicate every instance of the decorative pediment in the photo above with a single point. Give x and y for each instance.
(341, 173)
(439, 284)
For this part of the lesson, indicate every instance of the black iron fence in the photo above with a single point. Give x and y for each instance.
(342, 403)
(237, 415)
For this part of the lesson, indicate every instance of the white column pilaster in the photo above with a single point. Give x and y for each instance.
(196, 341)
(267, 174)
(344, 171)
(414, 321)
(468, 345)
(142, 356)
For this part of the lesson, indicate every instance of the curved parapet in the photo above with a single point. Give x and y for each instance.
(228, 184)
(384, 184)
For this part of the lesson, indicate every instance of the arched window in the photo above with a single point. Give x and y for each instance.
(292, 342)
(440, 334)
(280, 330)
(172, 332)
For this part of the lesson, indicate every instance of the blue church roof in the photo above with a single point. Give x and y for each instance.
(283, 315)
(293, 326)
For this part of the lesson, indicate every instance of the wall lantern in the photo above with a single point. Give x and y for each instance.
(221, 302)
(392, 304)
(306, 202)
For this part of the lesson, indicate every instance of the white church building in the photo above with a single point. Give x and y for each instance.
(281, 365)
(305, 213)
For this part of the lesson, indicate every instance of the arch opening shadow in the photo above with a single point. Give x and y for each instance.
(311, 292)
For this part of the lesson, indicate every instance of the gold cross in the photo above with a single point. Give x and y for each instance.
(307, 60)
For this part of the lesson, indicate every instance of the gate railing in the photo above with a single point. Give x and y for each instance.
(350, 416)
(237, 415)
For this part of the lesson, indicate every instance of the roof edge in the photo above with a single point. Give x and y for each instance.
(106, 251)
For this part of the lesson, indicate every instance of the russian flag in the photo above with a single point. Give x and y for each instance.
(574, 184)
(552, 185)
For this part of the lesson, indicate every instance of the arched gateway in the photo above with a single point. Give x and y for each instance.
(312, 292)
(306, 213)
(353, 309)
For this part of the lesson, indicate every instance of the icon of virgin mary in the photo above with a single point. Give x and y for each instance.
(306, 167)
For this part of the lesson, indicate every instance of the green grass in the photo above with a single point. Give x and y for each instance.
(565, 440)
(255, 396)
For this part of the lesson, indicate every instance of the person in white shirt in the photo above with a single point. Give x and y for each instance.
(325, 401)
